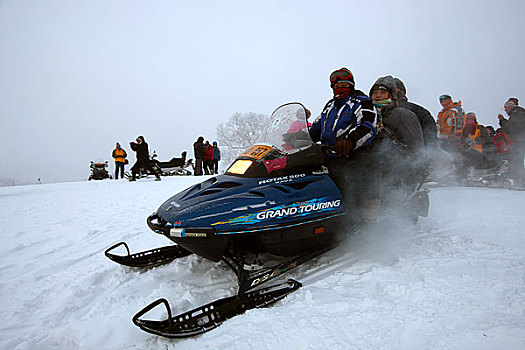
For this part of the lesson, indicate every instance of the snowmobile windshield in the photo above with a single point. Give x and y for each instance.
(288, 129)
(99, 162)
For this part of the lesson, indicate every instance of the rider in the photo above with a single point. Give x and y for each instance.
(348, 123)
(401, 146)
(297, 130)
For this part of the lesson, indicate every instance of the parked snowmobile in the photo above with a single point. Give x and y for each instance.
(457, 170)
(270, 202)
(176, 166)
(98, 170)
(144, 172)
(497, 176)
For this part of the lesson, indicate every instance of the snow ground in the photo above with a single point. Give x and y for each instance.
(454, 281)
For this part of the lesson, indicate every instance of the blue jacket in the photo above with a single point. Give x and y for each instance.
(353, 117)
(216, 153)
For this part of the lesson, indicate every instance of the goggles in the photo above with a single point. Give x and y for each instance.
(444, 98)
(341, 75)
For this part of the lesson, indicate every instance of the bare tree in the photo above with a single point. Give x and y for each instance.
(240, 132)
(6, 181)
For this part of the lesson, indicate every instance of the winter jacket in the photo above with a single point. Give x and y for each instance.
(405, 128)
(198, 150)
(427, 121)
(119, 155)
(473, 138)
(353, 117)
(451, 120)
(216, 153)
(142, 151)
(515, 127)
(208, 152)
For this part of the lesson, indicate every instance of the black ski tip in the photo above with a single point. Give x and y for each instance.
(147, 258)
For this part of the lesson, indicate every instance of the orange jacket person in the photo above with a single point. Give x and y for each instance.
(120, 160)
(451, 119)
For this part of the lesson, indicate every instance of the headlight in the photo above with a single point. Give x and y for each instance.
(240, 166)
(176, 232)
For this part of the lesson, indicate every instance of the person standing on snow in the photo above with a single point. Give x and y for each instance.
(515, 128)
(143, 161)
(208, 158)
(198, 153)
(216, 157)
(119, 154)
(348, 122)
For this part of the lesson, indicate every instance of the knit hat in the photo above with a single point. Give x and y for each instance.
(444, 97)
(471, 116)
(511, 103)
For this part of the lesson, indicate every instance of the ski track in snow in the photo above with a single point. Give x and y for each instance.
(456, 280)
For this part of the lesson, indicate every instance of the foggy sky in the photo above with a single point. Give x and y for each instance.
(78, 76)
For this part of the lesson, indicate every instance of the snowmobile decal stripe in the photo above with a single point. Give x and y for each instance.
(280, 226)
(298, 209)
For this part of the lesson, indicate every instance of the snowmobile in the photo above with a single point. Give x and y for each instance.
(144, 172)
(272, 210)
(496, 176)
(176, 166)
(98, 170)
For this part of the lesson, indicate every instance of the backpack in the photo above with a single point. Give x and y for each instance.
(502, 142)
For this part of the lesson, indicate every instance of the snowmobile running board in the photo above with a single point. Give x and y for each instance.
(147, 258)
(210, 316)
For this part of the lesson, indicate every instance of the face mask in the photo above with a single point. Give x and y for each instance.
(341, 92)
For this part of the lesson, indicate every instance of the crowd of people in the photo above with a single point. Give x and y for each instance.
(383, 133)
(207, 158)
(482, 146)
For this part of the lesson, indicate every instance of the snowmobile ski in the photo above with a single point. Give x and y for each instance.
(252, 279)
(210, 316)
(148, 258)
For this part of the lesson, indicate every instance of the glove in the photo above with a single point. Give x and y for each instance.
(343, 147)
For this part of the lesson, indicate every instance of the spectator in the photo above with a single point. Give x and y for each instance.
(143, 161)
(216, 157)
(451, 119)
(427, 121)
(471, 143)
(208, 158)
(515, 128)
(119, 154)
(198, 153)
